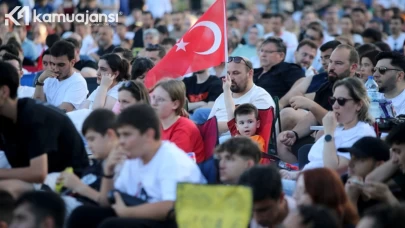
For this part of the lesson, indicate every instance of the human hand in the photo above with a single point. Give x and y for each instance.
(287, 138)
(107, 80)
(119, 206)
(329, 122)
(289, 175)
(114, 158)
(353, 187)
(226, 83)
(46, 74)
(69, 180)
(378, 191)
(300, 102)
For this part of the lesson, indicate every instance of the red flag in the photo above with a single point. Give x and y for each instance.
(201, 47)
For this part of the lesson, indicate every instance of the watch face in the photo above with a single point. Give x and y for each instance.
(328, 138)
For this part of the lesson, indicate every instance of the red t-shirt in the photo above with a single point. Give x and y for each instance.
(185, 134)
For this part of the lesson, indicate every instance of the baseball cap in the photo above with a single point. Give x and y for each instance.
(369, 147)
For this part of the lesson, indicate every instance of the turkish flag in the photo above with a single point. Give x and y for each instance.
(202, 46)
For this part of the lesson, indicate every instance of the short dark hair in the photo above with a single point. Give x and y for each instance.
(162, 29)
(266, 15)
(382, 46)
(46, 52)
(373, 34)
(117, 64)
(281, 47)
(159, 48)
(246, 109)
(62, 48)
(10, 48)
(318, 216)
(142, 117)
(75, 42)
(386, 216)
(232, 18)
(100, 121)
(8, 56)
(147, 13)
(397, 59)
(366, 48)
(397, 17)
(265, 182)
(329, 45)
(6, 207)
(371, 56)
(353, 55)
(277, 15)
(140, 66)
(307, 42)
(168, 40)
(126, 53)
(45, 204)
(51, 40)
(316, 29)
(358, 9)
(396, 135)
(242, 146)
(9, 78)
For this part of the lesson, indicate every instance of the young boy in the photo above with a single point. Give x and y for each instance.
(98, 128)
(236, 155)
(246, 115)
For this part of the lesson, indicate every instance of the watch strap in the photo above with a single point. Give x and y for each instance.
(37, 83)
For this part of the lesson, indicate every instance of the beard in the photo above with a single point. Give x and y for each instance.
(337, 77)
(235, 88)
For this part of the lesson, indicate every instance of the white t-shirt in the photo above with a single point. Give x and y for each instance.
(72, 90)
(292, 206)
(25, 91)
(399, 103)
(113, 92)
(88, 44)
(396, 44)
(343, 138)
(256, 96)
(4, 164)
(157, 180)
(289, 38)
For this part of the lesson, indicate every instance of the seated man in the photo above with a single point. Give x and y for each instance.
(270, 206)
(86, 67)
(37, 139)
(62, 87)
(149, 172)
(236, 155)
(23, 91)
(365, 155)
(243, 91)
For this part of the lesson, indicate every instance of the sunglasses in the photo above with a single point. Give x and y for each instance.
(382, 70)
(341, 101)
(237, 59)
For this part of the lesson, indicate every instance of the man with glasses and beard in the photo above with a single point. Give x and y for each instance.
(343, 63)
(390, 77)
(243, 91)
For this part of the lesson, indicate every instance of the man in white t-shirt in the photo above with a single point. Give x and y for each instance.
(62, 86)
(23, 91)
(143, 167)
(396, 40)
(390, 77)
(277, 22)
(243, 91)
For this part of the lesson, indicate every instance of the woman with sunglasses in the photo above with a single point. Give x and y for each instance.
(168, 99)
(348, 122)
(112, 70)
(132, 92)
(140, 67)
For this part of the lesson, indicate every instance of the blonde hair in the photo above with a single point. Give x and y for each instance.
(358, 92)
(177, 92)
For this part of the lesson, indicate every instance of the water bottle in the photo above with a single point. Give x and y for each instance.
(372, 91)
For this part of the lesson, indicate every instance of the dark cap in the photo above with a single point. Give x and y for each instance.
(369, 147)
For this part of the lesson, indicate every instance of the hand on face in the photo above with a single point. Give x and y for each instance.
(329, 122)
(226, 83)
(107, 80)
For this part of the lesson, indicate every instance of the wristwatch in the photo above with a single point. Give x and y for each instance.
(37, 83)
(328, 138)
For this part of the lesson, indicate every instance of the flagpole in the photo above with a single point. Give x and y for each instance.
(225, 37)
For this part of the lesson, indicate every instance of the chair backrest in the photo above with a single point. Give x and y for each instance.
(209, 134)
(28, 79)
(91, 84)
(272, 148)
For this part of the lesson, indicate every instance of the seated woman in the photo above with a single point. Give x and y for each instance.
(323, 187)
(140, 67)
(367, 64)
(132, 92)
(168, 99)
(112, 70)
(348, 122)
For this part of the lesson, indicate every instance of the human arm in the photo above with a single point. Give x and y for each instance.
(35, 173)
(303, 126)
(73, 182)
(75, 95)
(330, 157)
(102, 100)
(229, 104)
(298, 89)
(39, 93)
(67, 107)
(196, 105)
(383, 172)
(379, 191)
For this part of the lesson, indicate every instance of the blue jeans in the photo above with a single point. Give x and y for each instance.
(200, 115)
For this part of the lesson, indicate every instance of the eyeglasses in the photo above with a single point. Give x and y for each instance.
(382, 70)
(341, 100)
(237, 59)
(129, 84)
(310, 37)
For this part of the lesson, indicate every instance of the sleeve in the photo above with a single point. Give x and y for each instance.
(77, 94)
(262, 99)
(215, 90)
(294, 73)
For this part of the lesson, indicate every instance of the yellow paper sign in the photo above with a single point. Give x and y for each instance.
(213, 206)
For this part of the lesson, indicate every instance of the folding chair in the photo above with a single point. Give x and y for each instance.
(273, 142)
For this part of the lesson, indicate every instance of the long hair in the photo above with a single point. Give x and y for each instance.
(325, 188)
(115, 62)
(177, 92)
(358, 92)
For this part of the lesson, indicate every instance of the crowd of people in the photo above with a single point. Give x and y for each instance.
(84, 143)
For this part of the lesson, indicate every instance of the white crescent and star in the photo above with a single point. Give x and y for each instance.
(217, 38)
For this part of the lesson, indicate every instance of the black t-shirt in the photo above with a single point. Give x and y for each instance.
(317, 81)
(85, 63)
(207, 91)
(40, 129)
(279, 79)
(102, 52)
(323, 94)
